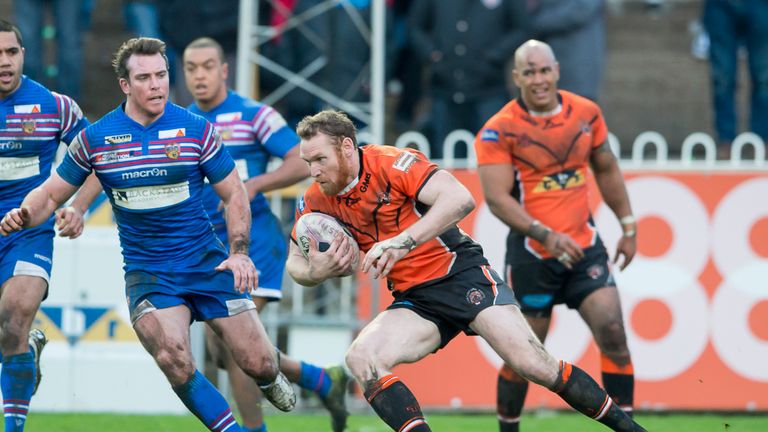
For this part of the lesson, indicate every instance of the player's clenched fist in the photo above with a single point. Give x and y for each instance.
(14, 221)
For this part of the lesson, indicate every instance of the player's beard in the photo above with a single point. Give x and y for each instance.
(344, 177)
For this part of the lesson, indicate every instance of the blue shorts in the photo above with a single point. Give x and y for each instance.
(206, 292)
(268, 251)
(27, 253)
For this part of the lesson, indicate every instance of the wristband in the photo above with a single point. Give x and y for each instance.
(628, 220)
(538, 231)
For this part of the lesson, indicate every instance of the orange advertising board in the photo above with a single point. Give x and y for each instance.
(695, 300)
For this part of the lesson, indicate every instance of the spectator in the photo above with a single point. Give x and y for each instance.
(575, 29)
(67, 16)
(466, 43)
(732, 24)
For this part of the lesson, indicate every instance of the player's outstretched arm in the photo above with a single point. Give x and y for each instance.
(238, 215)
(611, 184)
(291, 171)
(38, 205)
(319, 266)
(70, 219)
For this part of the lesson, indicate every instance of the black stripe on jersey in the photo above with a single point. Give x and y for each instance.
(375, 212)
(594, 119)
(424, 183)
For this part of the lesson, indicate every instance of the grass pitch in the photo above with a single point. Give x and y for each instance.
(545, 421)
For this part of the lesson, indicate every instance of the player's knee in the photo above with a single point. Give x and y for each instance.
(262, 367)
(612, 339)
(176, 363)
(361, 361)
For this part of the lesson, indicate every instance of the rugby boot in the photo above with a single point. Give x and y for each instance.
(335, 401)
(280, 393)
(37, 341)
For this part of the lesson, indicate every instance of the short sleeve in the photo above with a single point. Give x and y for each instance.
(215, 162)
(409, 172)
(599, 128)
(71, 116)
(76, 165)
(492, 146)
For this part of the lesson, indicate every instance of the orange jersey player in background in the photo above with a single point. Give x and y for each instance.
(551, 156)
(403, 211)
(533, 157)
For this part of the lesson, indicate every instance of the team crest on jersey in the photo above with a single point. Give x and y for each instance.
(383, 198)
(489, 135)
(585, 129)
(404, 161)
(172, 150)
(300, 205)
(117, 139)
(26, 109)
(28, 126)
(172, 133)
(475, 296)
(226, 133)
(560, 181)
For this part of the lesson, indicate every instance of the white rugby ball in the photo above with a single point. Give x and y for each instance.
(323, 228)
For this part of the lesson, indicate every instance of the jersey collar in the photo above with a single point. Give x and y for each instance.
(355, 180)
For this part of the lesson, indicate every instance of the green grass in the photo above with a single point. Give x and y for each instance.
(546, 421)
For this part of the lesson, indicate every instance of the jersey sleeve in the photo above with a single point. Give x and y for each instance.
(72, 119)
(409, 172)
(76, 165)
(215, 162)
(270, 129)
(599, 128)
(492, 146)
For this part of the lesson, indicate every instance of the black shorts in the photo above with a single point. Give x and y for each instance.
(454, 302)
(541, 284)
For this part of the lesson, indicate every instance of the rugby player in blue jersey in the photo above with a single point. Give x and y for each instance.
(151, 157)
(253, 133)
(33, 121)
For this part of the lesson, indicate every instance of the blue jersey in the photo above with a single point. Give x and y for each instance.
(33, 121)
(252, 133)
(153, 177)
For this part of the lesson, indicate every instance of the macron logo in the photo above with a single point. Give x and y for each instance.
(155, 172)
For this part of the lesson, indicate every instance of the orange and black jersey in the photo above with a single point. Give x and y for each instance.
(383, 203)
(551, 157)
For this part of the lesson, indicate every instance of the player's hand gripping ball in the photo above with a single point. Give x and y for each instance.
(323, 229)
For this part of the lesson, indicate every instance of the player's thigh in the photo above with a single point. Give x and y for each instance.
(165, 331)
(243, 334)
(507, 332)
(395, 336)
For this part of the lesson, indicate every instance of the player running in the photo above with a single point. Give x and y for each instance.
(402, 210)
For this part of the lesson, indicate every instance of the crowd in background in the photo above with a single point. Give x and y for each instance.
(447, 60)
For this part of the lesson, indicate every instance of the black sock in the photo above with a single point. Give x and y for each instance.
(395, 404)
(583, 394)
(619, 382)
(510, 397)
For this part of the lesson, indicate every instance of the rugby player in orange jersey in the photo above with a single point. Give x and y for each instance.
(533, 157)
(402, 210)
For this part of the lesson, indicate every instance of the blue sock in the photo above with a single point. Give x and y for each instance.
(16, 382)
(262, 428)
(1, 354)
(314, 379)
(205, 402)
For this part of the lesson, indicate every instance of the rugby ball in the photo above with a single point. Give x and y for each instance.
(323, 229)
